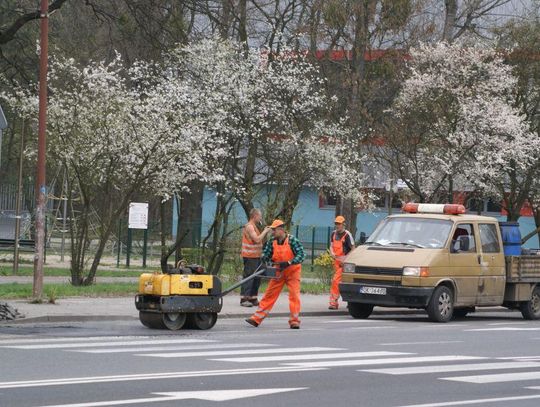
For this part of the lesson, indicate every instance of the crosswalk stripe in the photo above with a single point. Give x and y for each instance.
(520, 357)
(387, 361)
(476, 401)
(320, 356)
(236, 352)
(23, 340)
(177, 347)
(495, 378)
(453, 368)
(151, 376)
(105, 344)
(503, 328)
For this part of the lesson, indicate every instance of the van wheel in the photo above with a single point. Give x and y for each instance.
(441, 305)
(531, 309)
(359, 311)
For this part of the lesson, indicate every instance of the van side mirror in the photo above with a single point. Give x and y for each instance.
(363, 237)
(462, 244)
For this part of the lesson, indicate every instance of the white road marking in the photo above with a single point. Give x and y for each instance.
(453, 368)
(352, 321)
(373, 327)
(419, 343)
(366, 362)
(496, 378)
(106, 344)
(341, 355)
(177, 347)
(22, 340)
(508, 323)
(211, 395)
(151, 376)
(477, 401)
(519, 357)
(236, 352)
(503, 328)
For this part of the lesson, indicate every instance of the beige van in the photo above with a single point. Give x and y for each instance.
(444, 263)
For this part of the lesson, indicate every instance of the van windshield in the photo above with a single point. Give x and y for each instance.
(413, 232)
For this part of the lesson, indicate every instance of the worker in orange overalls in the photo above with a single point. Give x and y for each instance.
(341, 243)
(286, 252)
(252, 244)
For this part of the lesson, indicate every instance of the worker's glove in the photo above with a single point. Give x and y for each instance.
(283, 265)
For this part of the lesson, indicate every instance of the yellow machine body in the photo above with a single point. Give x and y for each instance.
(175, 284)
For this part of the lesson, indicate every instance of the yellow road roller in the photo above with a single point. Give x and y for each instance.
(185, 297)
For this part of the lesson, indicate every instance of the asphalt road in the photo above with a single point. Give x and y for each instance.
(485, 359)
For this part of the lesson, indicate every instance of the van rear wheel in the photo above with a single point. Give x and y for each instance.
(531, 309)
(441, 305)
(359, 311)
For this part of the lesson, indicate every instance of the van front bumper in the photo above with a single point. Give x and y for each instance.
(411, 297)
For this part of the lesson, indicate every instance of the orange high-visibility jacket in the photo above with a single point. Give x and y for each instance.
(250, 249)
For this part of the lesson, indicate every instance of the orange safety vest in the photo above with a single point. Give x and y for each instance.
(283, 252)
(250, 249)
(337, 244)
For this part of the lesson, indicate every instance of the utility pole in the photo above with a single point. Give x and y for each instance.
(18, 204)
(41, 188)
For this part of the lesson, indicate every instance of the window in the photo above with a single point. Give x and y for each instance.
(493, 206)
(413, 232)
(464, 233)
(489, 238)
(475, 205)
(327, 199)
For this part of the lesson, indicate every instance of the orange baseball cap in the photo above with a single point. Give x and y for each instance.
(339, 219)
(276, 223)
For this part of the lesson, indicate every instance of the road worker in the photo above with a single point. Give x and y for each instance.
(286, 252)
(341, 243)
(252, 244)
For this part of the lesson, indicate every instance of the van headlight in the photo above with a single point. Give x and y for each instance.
(416, 271)
(348, 268)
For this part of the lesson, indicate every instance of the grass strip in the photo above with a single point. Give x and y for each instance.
(54, 291)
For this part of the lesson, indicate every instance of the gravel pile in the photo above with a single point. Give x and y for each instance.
(8, 313)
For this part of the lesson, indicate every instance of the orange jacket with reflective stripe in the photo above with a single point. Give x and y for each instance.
(250, 249)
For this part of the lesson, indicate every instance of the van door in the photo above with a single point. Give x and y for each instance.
(465, 263)
(492, 278)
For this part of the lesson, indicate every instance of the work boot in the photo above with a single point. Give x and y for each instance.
(254, 302)
(252, 322)
(295, 325)
(333, 306)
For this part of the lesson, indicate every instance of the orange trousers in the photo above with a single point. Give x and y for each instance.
(292, 279)
(334, 288)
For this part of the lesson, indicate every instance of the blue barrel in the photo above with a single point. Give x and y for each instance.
(511, 237)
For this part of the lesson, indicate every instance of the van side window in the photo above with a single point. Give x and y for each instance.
(488, 238)
(463, 240)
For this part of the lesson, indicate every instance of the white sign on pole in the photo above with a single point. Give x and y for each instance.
(138, 215)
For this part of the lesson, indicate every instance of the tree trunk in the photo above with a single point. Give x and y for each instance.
(345, 207)
(451, 8)
(190, 215)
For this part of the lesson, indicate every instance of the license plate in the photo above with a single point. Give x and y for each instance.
(373, 290)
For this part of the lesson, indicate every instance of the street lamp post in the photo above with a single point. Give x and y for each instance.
(41, 189)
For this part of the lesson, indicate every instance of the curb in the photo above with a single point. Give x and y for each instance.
(98, 318)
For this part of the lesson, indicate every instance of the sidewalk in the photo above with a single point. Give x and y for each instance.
(123, 308)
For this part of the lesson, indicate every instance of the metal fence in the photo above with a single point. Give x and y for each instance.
(143, 247)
